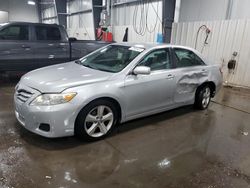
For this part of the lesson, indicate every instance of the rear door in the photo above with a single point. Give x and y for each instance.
(52, 47)
(190, 72)
(16, 48)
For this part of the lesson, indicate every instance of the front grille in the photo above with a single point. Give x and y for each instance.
(23, 95)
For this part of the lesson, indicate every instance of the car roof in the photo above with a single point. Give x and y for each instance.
(152, 45)
(149, 46)
(31, 23)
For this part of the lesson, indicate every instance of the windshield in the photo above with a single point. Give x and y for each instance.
(112, 58)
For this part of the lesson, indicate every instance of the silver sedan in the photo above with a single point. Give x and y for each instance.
(114, 84)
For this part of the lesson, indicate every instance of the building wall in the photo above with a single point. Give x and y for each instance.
(226, 37)
(49, 15)
(197, 10)
(124, 16)
(19, 10)
(81, 25)
(204, 10)
(240, 9)
(4, 16)
(229, 21)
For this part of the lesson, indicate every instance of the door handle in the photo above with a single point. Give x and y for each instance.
(170, 76)
(24, 46)
(203, 71)
(61, 46)
(51, 56)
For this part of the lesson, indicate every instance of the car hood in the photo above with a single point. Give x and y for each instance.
(59, 77)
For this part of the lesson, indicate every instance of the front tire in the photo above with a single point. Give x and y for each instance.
(96, 120)
(203, 97)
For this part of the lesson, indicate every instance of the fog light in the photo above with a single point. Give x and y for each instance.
(44, 127)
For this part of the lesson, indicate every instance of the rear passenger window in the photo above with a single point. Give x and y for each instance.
(47, 33)
(186, 58)
(15, 32)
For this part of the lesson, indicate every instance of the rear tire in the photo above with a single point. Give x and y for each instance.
(203, 97)
(96, 120)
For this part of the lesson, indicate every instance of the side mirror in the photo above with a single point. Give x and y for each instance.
(142, 70)
(72, 39)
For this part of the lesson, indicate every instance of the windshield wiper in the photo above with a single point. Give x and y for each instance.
(78, 61)
(86, 65)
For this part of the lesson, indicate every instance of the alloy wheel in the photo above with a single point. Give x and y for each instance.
(99, 121)
(206, 97)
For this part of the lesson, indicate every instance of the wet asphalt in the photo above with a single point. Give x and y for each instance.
(180, 148)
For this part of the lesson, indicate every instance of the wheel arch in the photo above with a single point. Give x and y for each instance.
(115, 102)
(211, 85)
(110, 99)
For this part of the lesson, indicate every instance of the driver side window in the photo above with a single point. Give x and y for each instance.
(157, 60)
(15, 32)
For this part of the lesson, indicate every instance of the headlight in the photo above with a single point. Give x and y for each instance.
(52, 99)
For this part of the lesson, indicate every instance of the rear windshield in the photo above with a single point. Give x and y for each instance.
(112, 58)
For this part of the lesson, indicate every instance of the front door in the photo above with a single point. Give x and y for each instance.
(16, 49)
(146, 93)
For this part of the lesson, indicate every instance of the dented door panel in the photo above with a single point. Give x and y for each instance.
(187, 80)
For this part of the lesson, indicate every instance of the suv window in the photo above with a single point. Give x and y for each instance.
(47, 33)
(186, 58)
(15, 32)
(157, 60)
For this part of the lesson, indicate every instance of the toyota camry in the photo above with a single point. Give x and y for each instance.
(115, 84)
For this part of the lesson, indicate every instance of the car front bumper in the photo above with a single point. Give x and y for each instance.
(60, 118)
